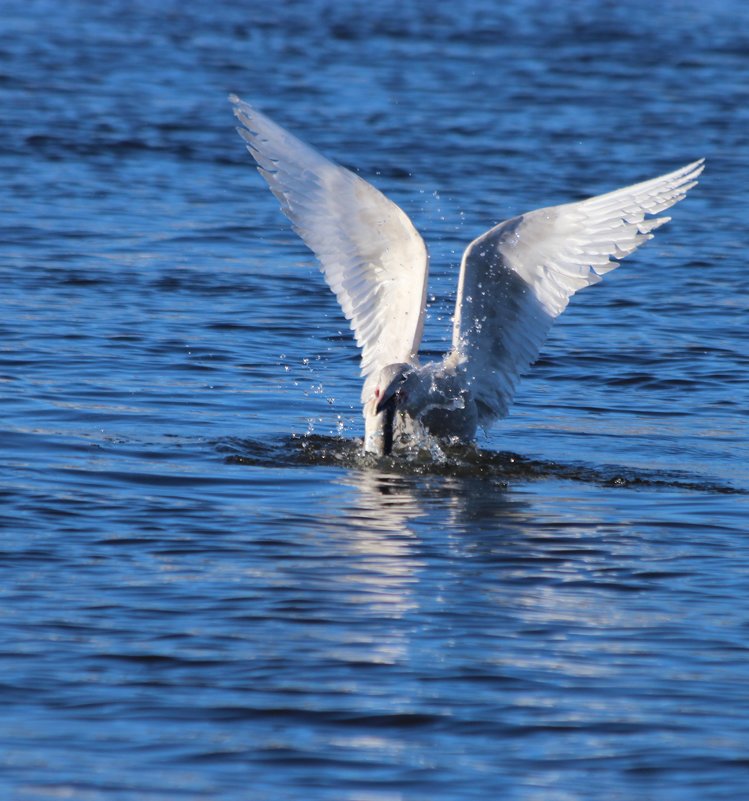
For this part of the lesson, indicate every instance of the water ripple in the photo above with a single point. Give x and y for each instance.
(455, 461)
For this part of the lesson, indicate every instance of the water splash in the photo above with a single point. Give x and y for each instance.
(452, 460)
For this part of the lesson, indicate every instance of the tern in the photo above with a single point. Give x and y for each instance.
(514, 281)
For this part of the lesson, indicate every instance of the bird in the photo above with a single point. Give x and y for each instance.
(514, 281)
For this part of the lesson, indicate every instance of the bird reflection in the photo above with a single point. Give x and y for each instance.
(395, 502)
(386, 550)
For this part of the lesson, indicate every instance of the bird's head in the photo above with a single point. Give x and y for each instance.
(390, 394)
(392, 386)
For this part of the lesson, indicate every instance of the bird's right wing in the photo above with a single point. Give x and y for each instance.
(518, 277)
(371, 255)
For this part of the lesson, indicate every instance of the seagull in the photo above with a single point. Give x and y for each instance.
(514, 281)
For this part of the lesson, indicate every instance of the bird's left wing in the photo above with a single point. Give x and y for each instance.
(518, 277)
(372, 257)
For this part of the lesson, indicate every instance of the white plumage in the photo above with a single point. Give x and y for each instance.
(514, 281)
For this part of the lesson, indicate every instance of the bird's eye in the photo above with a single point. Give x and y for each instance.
(377, 392)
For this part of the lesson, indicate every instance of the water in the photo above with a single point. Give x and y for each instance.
(206, 593)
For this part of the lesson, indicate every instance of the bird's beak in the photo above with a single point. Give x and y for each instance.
(387, 424)
(385, 402)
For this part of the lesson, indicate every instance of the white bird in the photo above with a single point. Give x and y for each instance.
(515, 279)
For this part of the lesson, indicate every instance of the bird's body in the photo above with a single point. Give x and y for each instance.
(514, 281)
(428, 398)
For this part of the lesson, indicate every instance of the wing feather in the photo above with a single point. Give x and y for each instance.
(371, 255)
(518, 277)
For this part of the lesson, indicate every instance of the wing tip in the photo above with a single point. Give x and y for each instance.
(693, 170)
(238, 105)
(242, 111)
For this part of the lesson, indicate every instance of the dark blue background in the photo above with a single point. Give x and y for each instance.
(200, 601)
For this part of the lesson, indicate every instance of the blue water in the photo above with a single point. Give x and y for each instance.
(206, 594)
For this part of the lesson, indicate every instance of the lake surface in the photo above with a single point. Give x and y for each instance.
(206, 593)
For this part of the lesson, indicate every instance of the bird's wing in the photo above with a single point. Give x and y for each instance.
(372, 257)
(518, 277)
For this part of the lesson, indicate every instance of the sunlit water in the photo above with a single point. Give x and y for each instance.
(207, 593)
